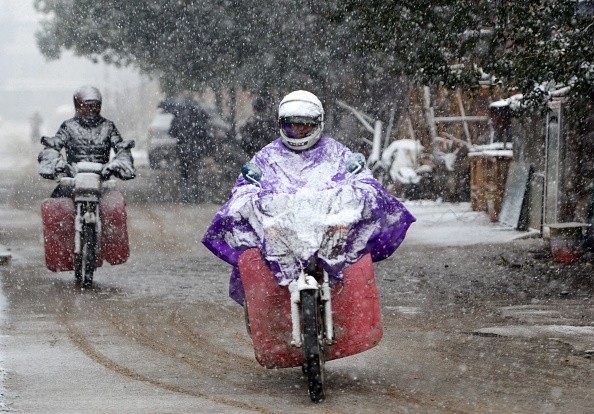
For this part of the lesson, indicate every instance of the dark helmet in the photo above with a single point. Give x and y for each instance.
(87, 95)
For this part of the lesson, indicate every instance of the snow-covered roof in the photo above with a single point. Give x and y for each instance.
(496, 149)
(513, 102)
(493, 153)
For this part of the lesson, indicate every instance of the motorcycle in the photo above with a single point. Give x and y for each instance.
(82, 231)
(314, 318)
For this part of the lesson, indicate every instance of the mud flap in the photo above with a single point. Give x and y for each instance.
(355, 309)
(114, 231)
(57, 216)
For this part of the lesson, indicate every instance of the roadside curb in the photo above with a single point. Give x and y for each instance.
(530, 234)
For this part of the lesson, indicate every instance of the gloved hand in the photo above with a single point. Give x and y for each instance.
(106, 173)
(355, 162)
(62, 167)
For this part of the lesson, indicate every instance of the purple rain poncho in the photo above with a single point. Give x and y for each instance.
(309, 205)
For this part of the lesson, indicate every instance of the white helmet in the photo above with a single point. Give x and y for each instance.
(300, 107)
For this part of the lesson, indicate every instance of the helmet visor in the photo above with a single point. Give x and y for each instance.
(298, 126)
(92, 104)
(89, 108)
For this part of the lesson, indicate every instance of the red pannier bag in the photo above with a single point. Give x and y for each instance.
(355, 311)
(58, 215)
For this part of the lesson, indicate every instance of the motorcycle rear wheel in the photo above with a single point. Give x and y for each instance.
(313, 350)
(85, 261)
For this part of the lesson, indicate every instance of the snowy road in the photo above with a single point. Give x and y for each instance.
(473, 323)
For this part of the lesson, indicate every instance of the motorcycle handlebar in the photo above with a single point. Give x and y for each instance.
(253, 174)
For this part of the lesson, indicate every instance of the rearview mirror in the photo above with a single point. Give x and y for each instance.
(251, 172)
(355, 162)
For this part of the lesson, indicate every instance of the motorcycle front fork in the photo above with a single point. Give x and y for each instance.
(86, 213)
(305, 282)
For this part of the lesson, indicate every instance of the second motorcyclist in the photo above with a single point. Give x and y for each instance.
(86, 137)
(303, 158)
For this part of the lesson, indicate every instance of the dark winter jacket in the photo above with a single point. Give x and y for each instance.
(86, 140)
(190, 128)
(257, 132)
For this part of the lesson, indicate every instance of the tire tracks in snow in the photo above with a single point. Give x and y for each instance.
(84, 344)
(216, 364)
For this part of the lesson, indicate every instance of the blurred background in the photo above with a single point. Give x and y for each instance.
(36, 94)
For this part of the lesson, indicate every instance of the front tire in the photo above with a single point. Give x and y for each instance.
(85, 261)
(313, 351)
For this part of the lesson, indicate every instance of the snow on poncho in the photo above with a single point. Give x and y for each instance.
(308, 206)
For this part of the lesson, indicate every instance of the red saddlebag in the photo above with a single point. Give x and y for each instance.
(57, 216)
(355, 310)
(114, 231)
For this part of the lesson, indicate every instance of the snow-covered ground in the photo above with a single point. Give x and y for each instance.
(455, 224)
(3, 403)
(438, 223)
(16, 154)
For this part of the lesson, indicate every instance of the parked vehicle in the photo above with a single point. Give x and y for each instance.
(314, 319)
(161, 147)
(82, 231)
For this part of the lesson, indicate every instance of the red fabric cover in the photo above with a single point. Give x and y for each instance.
(356, 313)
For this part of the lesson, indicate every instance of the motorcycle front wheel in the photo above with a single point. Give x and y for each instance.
(313, 351)
(85, 261)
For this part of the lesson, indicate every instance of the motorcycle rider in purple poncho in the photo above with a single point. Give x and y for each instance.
(336, 217)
